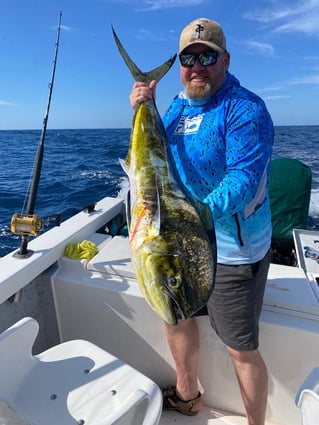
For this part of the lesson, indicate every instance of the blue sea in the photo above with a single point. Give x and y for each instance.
(82, 166)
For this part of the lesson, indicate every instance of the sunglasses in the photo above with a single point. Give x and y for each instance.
(205, 59)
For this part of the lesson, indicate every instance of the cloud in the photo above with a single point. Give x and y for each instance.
(276, 97)
(311, 79)
(272, 96)
(144, 34)
(306, 79)
(304, 24)
(168, 4)
(272, 88)
(5, 103)
(66, 28)
(148, 35)
(262, 49)
(311, 58)
(300, 16)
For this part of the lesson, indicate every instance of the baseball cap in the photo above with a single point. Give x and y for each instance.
(204, 31)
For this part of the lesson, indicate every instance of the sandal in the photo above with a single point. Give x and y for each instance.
(171, 401)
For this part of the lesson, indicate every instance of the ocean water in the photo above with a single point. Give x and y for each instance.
(82, 166)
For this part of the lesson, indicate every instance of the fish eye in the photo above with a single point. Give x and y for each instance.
(173, 282)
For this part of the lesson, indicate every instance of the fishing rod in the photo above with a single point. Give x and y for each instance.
(28, 224)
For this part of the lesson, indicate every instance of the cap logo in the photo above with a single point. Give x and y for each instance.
(199, 29)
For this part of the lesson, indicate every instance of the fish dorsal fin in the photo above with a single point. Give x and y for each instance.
(138, 75)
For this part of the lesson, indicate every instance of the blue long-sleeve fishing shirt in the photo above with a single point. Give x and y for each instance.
(222, 149)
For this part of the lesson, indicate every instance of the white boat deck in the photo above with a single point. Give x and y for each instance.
(206, 416)
(104, 291)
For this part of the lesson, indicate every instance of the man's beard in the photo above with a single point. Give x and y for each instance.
(198, 90)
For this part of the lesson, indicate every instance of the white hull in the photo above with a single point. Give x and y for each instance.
(100, 302)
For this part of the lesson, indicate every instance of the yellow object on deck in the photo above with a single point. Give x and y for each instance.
(83, 250)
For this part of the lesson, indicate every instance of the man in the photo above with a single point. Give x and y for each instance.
(220, 136)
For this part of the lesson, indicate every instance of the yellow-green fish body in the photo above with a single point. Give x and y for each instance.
(172, 255)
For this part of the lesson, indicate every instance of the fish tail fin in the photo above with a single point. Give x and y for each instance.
(138, 75)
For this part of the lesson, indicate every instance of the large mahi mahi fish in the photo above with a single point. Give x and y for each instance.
(173, 253)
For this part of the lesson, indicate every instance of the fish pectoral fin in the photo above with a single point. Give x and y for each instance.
(124, 166)
(128, 208)
(153, 220)
(156, 223)
(143, 220)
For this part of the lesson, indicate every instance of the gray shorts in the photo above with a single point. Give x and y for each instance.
(235, 305)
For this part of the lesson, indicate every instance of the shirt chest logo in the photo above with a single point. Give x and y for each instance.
(188, 125)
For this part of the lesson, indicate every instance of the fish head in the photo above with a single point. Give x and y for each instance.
(167, 283)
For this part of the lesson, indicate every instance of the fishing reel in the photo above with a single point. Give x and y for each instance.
(30, 224)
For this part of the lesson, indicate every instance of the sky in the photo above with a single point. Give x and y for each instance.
(274, 47)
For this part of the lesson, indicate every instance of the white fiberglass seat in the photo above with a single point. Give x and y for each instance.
(307, 398)
(75, 382)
